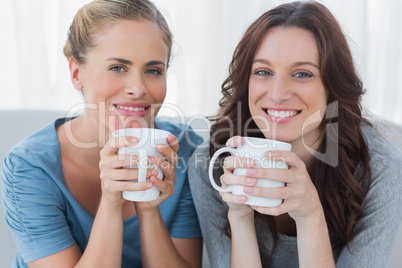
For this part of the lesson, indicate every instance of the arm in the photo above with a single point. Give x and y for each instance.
(154, 237)
(301, 202)
(105, 242)
(375, 233)
(212, 211)
(156, 241)
(245, 251)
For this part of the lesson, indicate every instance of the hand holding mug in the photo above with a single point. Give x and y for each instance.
(115, 179)
(167, 164)
(156, 151)
(300, 197)
(254, 150)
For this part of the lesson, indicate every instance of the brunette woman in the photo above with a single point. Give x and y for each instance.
(292, 79)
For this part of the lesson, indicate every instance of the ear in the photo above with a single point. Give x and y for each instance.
(75, 75)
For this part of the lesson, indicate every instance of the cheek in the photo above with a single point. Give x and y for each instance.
(159, 91)
(102, 87)
(255, 92)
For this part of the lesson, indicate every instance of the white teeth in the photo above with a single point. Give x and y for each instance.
(281, 114)
(134, 109)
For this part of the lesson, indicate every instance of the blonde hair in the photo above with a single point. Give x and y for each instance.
(96, 15)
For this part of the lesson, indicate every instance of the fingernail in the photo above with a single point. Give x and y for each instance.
(134, 140)
(248, 190)
(160, 147)
(242, 198)
(251, 172)
(150, 184)
(157, 160)
(155, 172)
(250, 181)
(172, 138)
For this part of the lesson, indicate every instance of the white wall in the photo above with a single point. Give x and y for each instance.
(34, 73)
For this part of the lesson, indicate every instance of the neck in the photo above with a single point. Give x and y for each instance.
(85, 138)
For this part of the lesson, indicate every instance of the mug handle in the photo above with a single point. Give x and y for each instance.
(211, 166)
(143, 165)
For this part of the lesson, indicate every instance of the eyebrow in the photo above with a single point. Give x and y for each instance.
(128, 62)
(296, 64)
(120, 60)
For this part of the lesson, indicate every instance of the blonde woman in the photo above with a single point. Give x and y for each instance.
(63, 202)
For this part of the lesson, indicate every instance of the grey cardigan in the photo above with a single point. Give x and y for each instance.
(374, 234)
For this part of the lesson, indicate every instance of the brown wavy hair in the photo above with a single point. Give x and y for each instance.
(339, 186)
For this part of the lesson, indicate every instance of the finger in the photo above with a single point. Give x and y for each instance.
(119, 186)
(232, 162)
(283, 175)
(231, 179)
(234, 199)
(129, 161)
(222, 182)
(167, 168)
(133, 123)
(168, 152)
(283, 208)
(121, 160)
(115, 143)
(288, 157)
(164, 186)
(274, 193)
(125, 174)
(234, 141)
(173, 142)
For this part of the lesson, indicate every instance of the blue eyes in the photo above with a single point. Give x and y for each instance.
(297, 75)
(262, 72)
(119, 69)
(302, 75)
(153, 72)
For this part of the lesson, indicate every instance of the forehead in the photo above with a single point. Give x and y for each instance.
(284, 44)
(130, 28)
(131, 37)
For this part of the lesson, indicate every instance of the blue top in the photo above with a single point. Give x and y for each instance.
(44, 216)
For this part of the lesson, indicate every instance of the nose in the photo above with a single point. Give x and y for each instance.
(136, 87)
(280, 90)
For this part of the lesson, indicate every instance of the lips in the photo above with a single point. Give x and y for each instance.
(282, 113)
(281, 116)
(130, 109)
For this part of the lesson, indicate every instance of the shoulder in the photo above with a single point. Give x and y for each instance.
(201, 153)
(199, 161)
(385, 162)
(35, 155)
(383, 153)
(36, 144)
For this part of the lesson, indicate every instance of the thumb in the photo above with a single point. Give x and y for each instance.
(134, 124)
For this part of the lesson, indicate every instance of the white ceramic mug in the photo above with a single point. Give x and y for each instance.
(253, 148)
(149, 138)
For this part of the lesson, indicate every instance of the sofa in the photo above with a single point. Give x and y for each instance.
(17, 124)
